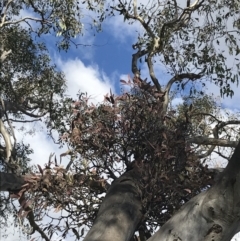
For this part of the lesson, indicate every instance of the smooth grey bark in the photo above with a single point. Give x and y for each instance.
(212, 215)
(120, 212)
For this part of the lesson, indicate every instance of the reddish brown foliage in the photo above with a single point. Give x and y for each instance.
(132, 129)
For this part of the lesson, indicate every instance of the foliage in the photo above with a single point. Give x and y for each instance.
(27, 77)
(62, 18)
(197, 38)
(131, 127)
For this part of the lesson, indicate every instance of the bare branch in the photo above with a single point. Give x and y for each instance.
(222, 124)
(152, 74)
(4, 55)
(207, 153)
(14, 107)
(127, 15)
(7, 140)
(221, 155)
(22, 20)
(25, 121)
(225, 123)
(204, 140)
(206, 114)
(135, 7)
(3, 17)
(135, 58)
(181, 21)
(178, 77)
(215, 131)
(9, 123)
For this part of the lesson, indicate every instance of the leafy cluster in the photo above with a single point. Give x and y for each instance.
(132, 130)
(29, 82)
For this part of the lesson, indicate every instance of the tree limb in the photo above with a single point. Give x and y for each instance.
(21, 20)
(225, 123)
(127, 15)
(135, 58)
(204, 140)
(215, 131)
(151, 72)
(14, 107)
(221, 155)
(4, 15)
(207, 153)
(178, 77)
(7, 141)
(4, 55)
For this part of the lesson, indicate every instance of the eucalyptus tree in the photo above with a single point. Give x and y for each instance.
(192, 42)
(143, 153)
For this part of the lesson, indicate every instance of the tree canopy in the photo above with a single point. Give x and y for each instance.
(137, 161)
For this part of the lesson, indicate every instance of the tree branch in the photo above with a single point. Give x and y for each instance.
(31, 218)
(206, 114)
(204, 140)
(215, 131)
(225, 123)
(135, 58)
(221, 155)
(25, 121)
(182, 18)
(21, 20)
(7, 141)
(152, 74)
(3, 17)
(127, 15)
(207, 153)
(14, 107)
(179, 78)
(212, 213)
(4, 55)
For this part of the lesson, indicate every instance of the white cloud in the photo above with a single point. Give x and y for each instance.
(85, 79)
(80, 77)
(39, 141)
(121, 30)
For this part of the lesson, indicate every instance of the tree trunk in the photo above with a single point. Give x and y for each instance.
(212, 215)
(120, 212)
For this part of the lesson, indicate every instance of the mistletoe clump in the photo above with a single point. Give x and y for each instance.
(133, 131)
